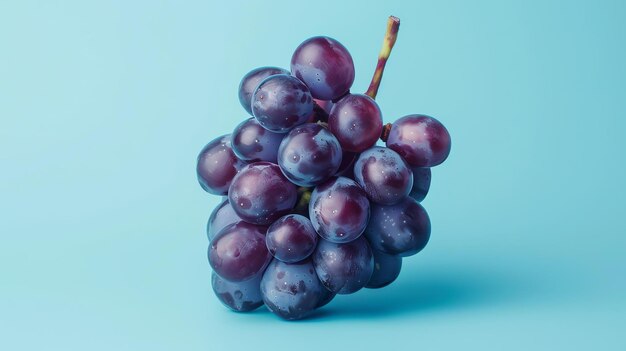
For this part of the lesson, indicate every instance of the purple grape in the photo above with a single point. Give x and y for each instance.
(251, 81)
(344, 268)
(384, 175)
(260, 193)
(217, 166)
(238, 251)
(356, 121)
(291, 238)
(252, 143)
(346, 169)
(422, 140)
(326, 297)
(386, 270)
(221, 216)
(291, 290)
(339, 210)
(325, 66)
(402, 229)
(421, 183)
(240, 296)
(309, 155)
(281, 102)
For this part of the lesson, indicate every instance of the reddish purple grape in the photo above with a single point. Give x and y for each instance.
(221, 216)
(356, 121)
(217, 166)
(292, 290)
(291, 238)
(281, 102)
(384, 175)
(260, 193)
(402, 229)
(325, 66)
(309, 155)
(238, 251)
(252, 143)
(238, 296)
(386, 270)
(421, 140)
(344, 268)
(421, 183)
(251, 81)
(339, 210)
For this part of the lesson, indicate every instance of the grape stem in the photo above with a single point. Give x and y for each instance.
(393, 25)
(304, 197)
(386, 130)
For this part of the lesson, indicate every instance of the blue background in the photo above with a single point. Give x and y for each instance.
(105, 104)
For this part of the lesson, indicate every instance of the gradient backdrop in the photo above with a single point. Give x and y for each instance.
(104, 106)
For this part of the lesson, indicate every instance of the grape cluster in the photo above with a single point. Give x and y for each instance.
(312, 206)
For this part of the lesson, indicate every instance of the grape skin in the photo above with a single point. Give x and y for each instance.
(217, 165)
(251, 81)
(240, 296)
(291, 238)
(386, 270)
(346, 169)
(281, 102)
(384, 175)
(325, 66)
(221, 216)
(260, 193)
(238, 251)
(292, 290)
(421, 140)
(421, 183)
(402, 229)
(344, 268)
(251, 142)
(356, 121)
(339, 210)
(309, 155)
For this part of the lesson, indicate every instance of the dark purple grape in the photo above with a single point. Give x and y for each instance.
(238, 251)
(221, 216)
(325, 66)
(386, 270)
(309, 155)
(421, 183)
(326, 297)
(291, 290)
(356, 121)
(401, 229)
(281, 102)
(253, 143)
(422, 140)
(217, 166)
(339, 210)
(346, 169)
(251, 80)
(384, 175)
(260, 193)
(291, 238)
(240, 296)
(344, 268)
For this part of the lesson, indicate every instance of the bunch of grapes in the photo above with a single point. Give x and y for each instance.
(312, 207)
